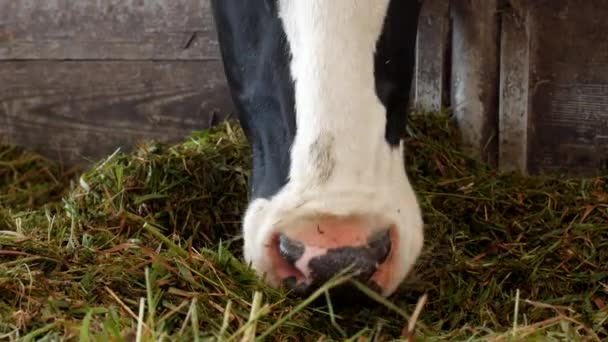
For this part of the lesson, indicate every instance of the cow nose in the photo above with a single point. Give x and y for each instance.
(317, 265)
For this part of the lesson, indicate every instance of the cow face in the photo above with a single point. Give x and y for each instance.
(321, 89)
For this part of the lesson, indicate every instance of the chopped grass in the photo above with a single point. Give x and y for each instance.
(145, 246)
(28, 181)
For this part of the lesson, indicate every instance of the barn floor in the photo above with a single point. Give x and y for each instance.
(132, 250)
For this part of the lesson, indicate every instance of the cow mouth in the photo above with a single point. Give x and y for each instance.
(300, 281)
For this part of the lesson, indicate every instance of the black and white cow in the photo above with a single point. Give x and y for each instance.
(321, 88)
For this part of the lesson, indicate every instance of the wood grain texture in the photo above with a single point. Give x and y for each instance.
(76, 110)
(431, 93)
(79, 79)
(108, 29)
(474, 76)
(569, 87)
(514, 88)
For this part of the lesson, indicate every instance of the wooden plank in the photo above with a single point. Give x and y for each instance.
(108, 29)
(569, 87)
(514, 86)
(474, 76)
(72, 110)
(431, 54)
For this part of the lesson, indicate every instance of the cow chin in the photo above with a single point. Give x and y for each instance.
(322, 220)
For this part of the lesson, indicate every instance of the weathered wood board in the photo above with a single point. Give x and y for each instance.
(474, 76)
(74, 110)
(431, 92)
(107, 29)
(569, 86)
(513, 88)
(554, 94)
(79, 79)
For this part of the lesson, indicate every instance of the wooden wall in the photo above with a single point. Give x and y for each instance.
(80, 78)
(568, 87)
(527, 80)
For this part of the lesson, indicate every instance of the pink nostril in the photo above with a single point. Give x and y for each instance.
(380, 245)
(290, 250)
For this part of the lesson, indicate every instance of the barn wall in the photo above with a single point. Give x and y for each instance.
(529, 83)
(527, 80)
(568, 124)
(80, 78)
(554, 87)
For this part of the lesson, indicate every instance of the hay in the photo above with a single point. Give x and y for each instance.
(144, 246)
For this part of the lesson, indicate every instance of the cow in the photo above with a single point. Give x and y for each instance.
(321, 90)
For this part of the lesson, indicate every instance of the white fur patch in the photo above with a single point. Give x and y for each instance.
(332, 44)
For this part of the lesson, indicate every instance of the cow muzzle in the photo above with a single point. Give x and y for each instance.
(306, 258)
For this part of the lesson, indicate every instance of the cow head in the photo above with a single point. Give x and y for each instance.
(321, 89)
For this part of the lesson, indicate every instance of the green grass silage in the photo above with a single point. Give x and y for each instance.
(145, 246)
